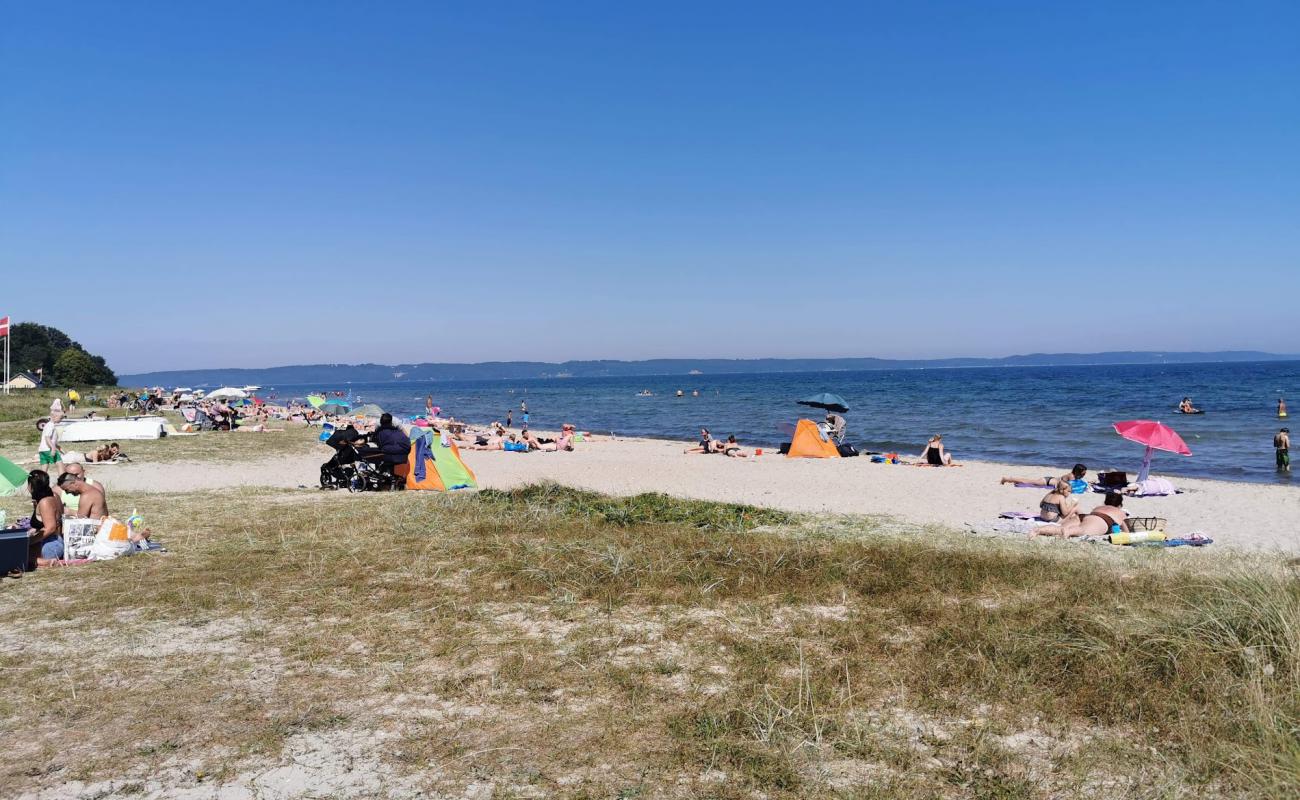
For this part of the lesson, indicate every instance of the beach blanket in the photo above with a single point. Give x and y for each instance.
(1151, 487)
(1195, 540)
(1019, 515)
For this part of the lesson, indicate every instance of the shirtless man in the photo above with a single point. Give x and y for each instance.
(1282, 443)
(91, 502)
(71, 502)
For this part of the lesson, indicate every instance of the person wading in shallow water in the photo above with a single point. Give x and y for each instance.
(1282, 443)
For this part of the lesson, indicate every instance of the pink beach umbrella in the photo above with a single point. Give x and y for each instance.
(1156, 436)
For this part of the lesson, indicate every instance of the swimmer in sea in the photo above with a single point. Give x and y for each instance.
(1186, 406)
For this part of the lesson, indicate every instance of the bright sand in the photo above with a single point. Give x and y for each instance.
(1241, 516)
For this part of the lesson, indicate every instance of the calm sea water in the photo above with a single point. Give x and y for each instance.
(1031, 415)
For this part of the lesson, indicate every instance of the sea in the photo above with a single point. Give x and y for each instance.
(1020, 415)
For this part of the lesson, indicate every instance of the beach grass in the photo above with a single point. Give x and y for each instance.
(18, 442)
(31, 404)
(552, 642)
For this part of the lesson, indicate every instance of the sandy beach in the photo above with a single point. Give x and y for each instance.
(1238, 516)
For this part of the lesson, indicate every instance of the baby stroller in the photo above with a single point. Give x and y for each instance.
(369, 477)
(347, 470)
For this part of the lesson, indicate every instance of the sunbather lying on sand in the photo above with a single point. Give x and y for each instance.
(1049, 482)
(1097, 522)
(732, 448)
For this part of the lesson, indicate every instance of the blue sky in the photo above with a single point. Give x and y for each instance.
(251, 184)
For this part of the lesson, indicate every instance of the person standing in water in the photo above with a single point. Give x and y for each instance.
(1281, 408)
(1282, 443)
(509, 417)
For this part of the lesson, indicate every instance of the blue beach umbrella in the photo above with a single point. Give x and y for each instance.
(826, 400)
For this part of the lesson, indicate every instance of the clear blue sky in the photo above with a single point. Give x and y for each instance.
(250, 184)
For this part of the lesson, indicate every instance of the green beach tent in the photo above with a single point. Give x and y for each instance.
(316, 400)
(12, 477)
(446, 460)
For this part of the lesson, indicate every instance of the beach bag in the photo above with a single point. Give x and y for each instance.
(847, 450)
(1147, 523)
(111, 541)
(1112, 480)
(79, 537)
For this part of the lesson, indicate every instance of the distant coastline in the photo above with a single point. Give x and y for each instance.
(331, 374)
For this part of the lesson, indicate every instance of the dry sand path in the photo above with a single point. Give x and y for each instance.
(1240, 516)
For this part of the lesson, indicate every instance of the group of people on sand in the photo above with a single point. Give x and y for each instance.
(729, 447)
(72, 495)
(1060, 508)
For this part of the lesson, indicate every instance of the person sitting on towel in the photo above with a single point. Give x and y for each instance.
(45, 540)
(1057, 503)
(1098, 522)
(934, 454)
(71, 500)
(91, 502)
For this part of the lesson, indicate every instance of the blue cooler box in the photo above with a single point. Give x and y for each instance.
(13, 550)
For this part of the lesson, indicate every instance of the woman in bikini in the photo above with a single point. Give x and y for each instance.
(45, 540)
(1097, 522)
(1057, 503)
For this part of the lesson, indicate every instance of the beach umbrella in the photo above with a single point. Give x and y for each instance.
(315, 400)
(1156, 436)
(333, 408)
(368, 410)
(12, 477)
(227, 392)
(826, 400)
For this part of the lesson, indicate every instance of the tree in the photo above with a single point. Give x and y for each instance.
(39, 347)
(74, 367)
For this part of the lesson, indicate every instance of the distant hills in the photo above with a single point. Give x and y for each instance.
(335, 374)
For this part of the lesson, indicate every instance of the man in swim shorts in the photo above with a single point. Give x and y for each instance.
(1282, 443)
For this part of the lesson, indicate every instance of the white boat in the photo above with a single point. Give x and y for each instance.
(251, 389)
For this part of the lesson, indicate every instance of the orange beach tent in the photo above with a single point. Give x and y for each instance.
(808, 442)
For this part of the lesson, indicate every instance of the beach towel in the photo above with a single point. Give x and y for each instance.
(1154, 487)
(1195, 540)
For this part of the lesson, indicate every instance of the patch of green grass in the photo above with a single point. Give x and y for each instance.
(649, 644)
(641, 509)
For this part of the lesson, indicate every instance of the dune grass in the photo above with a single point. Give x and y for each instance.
(18, 442)
(31, 404)
(553, 642)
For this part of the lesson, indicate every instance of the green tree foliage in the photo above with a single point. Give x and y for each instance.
(62, 360)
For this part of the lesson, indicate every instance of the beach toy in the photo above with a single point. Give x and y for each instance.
(136, 521)
(1137, 537)
(758, 451)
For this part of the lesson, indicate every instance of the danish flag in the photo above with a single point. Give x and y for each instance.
(4, 326)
